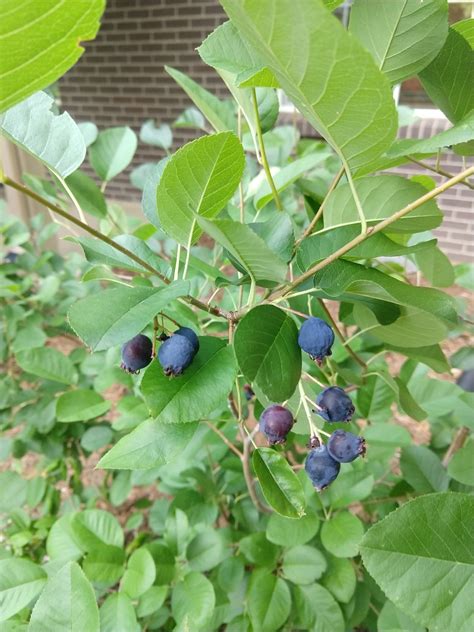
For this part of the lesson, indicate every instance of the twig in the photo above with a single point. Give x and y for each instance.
(340, 336)
(228, 443)
(155, 335)
(263, 153)
(437, 169)
(456, 444)
(313, 430)
(248, 475)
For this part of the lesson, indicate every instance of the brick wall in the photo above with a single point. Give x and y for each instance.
(120, 80)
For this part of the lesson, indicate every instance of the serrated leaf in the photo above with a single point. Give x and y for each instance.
(248, 248)
(218, 113)
(112, 151)
(55, 140)
(80, 405)
(280, 485)
(116, 315)
(75, 611)
(430, 578)
(151, 444)
(199, 391)
(199, 179)
(266, 347)
(381, 197)
(40, 42)
(47, 363)
(308, 51)
(20, 582)
(403, 36)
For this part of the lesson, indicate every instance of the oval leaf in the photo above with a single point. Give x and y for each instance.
(112, 151)
(80, 405)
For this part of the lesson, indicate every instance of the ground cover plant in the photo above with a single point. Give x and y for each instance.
(238, 410)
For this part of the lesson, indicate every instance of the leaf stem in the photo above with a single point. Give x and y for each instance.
(228, 443)
(263, 153)
(72, 196)
(188, 249)
(355, 195)
(313, 430)
(339, 334)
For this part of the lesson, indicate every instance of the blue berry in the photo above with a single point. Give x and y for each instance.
(175, 355)
(136, 353)
(248, 392)
(345, 447)
(316, 337)
(334, 404)
(321, 468)
(190, 335)
(275, 423)
(466, 380)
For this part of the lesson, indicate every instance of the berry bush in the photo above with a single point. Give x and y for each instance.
(249, 408)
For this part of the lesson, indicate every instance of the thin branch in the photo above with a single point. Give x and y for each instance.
(228, 443)
(456, 444)
(350, 351)
(372, 230)
(263, 153)
(212, 309)
(188, 249)
(155, 335)
(313, 430)
(248, 476)
(314, 221)
(437, 169)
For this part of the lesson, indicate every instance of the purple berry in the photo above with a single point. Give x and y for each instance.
(321, 468)
(316, 337)
(345, 447)
(190, 335)
(175, 355)
(334, 405)
(275, 423)
(466, 380)
(136, 353)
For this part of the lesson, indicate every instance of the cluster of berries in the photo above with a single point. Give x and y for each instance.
(333, 404)
(175, 353)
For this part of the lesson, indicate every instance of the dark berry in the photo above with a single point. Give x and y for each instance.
(11, 257)
(316, 337)
(321, 468)
(466, 380)
(248, 392)
(175, 355)
(190, 335)
(136, 353)
(334, 404)
(345, 447)
(162, 337)
(275, 423)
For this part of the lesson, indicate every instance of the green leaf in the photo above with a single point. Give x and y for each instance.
(151, 601)
(149, 206)
(466, 28)
(320, 246)
(42, 41)
(391, 619)
(381, 197)
(258, 550)
(387, 435)
(20, 582)
(449, 79)
(282, 531)
(54, 140)
(80, 405)
(206, 550)
(341, 535)
(157, 136)
(280, 485)
(61, 543)
(268, 602)
(151, 444)
(288, 175)
(340, 579)
(89, 132)
(140, 573)
(199, 179)
(87, 193)
(460, 467)
(248, 248)
(403, 36)
(196, 393)
(112, 152)
(190, 117)
(435, 267)
(316, 609)
(431, 577)
(47, 363)
(104, 565)
(278, 234)
(115, 315)
(408, 403)
(67, 604)
(117, 614)
(266, 347)
(193, 601)
(350, 486)
(307, 49)
(92, 528)
(96, 437)
(218, 113)
(303, 564)
(423, 470)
